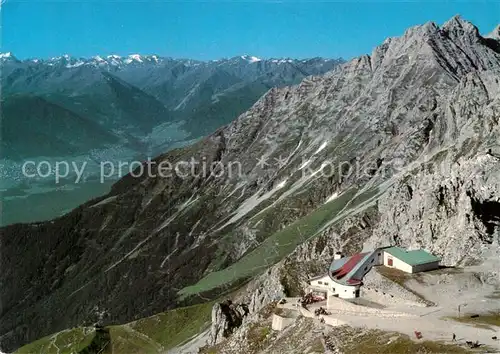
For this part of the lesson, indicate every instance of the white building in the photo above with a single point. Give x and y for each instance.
(325, 285)
(321, 284)
(410, 261)
(345, 275)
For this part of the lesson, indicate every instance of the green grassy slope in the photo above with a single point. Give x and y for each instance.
(154, 334)
(280, 244)
(66, 342)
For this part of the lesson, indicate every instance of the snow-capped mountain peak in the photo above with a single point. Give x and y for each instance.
(281, 61)
(118, 62)
(250, 58)
(7, 56)
(75, 64)
(134, 57)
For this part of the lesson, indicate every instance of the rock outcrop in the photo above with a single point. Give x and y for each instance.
(226, 318)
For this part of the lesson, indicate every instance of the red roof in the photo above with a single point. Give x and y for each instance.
(348, 266)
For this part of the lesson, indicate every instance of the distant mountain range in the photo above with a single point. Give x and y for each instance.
(119, 108)
(134, 94)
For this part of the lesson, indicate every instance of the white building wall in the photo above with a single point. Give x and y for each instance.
(325, 282)
(333, 288)
(344, 291)
(397, 263)
(378, 256)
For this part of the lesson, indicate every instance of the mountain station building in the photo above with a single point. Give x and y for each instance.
(345, 275)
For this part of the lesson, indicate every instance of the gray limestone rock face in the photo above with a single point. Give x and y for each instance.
(448, 201)
(226, 318)
(428, 105)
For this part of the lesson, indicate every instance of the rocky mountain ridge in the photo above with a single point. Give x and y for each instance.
(117, 60)
(396, 147)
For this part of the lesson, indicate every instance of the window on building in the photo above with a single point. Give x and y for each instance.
(320, 282)
(366, 268)
(379, 254)
(326, 283)
(372, 260)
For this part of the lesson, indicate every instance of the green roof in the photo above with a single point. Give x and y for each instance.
(413, 258)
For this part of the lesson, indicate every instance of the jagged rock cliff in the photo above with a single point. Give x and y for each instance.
(226, 317)
(396, 147)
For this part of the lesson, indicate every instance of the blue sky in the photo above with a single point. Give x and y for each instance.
(215, 29)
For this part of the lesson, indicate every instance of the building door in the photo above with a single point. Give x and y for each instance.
(389, 262)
